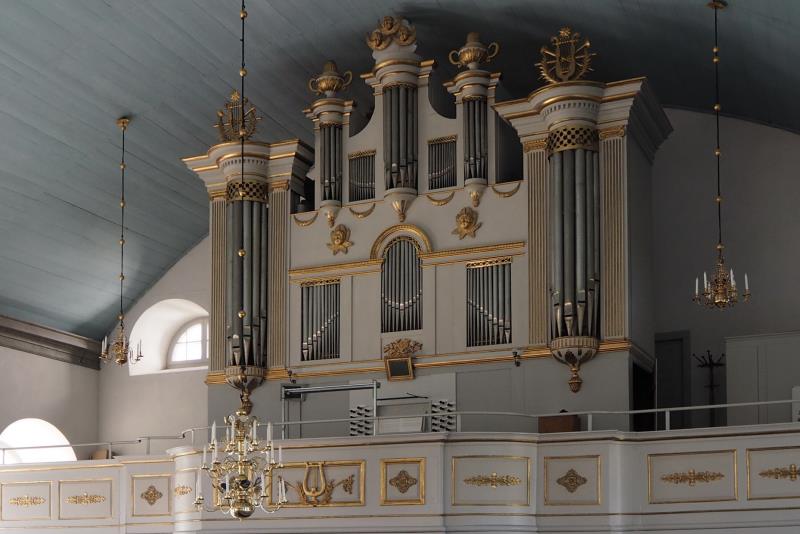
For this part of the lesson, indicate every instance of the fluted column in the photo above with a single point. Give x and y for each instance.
(218, 277)
(536, 172)
(278, 272)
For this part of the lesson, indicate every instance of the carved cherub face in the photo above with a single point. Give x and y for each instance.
(464, 219)
(337, 236)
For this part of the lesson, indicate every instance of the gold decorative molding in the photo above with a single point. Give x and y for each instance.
(790, 472)
(507, 194)
(361, 154)
(422, 238)
(485, 263)
(401, 348)
(320, 493)
(472, 250)
(340, 240)
(320, 281)
(363, 214)
(182, 490)
(571, 480)
(26, 501)
(568, 60)
(536, 144)
(444, 139)
(253, 191)
(307, 222)
(614, 131)
(151, 495)
(403, 481)
(441, 201)
(692, 477)
(85, 499)
(494, 480)
(466, 223)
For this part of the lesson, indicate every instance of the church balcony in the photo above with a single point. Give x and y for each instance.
(737, 478)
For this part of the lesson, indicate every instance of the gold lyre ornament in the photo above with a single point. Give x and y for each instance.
(569, 59)
(237, 120)
(340, 240)
(330, 81)
(466, 223)
(391, 29)
(473, 53)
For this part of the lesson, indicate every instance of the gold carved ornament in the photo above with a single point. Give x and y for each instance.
(466, 223)
(340, 240)
(403, 481)
(402, 348)
(363, 214)
(781, 473)
(248, 190)
(330, 81)
(507, 194)
(303, 223)
(692, 477)
(441, 201)
(85, 499)
(237, 120)
(571, 481)
(182, 490)
(151, 495)
(494, 480)
(391, 29)
(26, 500)
(320, 493)
(568, 59)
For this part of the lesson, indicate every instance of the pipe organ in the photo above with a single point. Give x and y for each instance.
(531, 254)
(489, 302)
(401, 287)
(320, 320)
(246, 253)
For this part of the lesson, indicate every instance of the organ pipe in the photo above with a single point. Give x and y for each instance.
(400, 136)
(575, 242)
(331, 161)
(476, 143)
(489, 303)
(246, 258)
(401, 287)
(320, 320)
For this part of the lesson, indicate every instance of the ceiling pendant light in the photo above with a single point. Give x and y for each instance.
(120, 351)
(720, 291)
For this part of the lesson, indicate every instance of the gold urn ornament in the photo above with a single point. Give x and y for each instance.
(473, 53)
(330, 81)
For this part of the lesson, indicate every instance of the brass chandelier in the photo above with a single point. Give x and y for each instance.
(721, 290)
(120, 351)
(242, 467)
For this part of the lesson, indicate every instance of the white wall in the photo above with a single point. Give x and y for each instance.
(167, 402)
(761, 189)
(58, 392)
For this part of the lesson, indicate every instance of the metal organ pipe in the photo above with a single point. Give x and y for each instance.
(401, 287)
(575, 241)
(400, 136)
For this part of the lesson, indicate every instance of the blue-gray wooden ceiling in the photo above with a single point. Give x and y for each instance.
(69, 68)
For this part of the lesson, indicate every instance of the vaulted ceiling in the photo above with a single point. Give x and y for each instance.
(68, 69)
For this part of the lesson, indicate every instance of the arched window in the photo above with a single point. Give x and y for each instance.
(190, 345)
(34, 433)
(401, 286)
